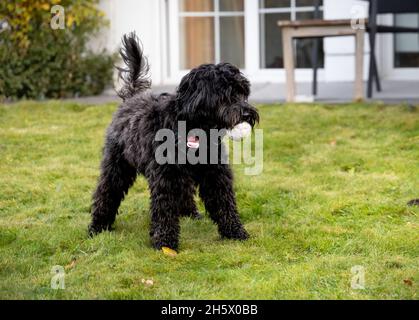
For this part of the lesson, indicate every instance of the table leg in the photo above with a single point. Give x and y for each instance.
(359, 64)
(287, 46)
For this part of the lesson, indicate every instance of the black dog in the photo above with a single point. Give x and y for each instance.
(210, 96)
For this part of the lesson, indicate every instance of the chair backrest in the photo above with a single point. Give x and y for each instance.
(398, 6)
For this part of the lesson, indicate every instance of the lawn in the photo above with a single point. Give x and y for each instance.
(332, 195)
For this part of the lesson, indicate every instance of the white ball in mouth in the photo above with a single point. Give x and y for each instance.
(240, 131)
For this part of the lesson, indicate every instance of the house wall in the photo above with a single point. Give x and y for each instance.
(143, 16)
(339, 51)
(150, 20)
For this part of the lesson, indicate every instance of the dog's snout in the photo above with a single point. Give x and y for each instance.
(246, 114)
(250, 115)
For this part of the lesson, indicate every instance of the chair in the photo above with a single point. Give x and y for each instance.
(380, 7)
(314, 53)
(376, 7)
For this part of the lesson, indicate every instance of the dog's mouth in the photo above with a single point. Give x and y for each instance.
(193, 142)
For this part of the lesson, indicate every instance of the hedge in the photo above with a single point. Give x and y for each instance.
(37, 61)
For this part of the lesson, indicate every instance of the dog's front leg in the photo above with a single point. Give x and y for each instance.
(216, 190)
(170, 191)
(164, 221)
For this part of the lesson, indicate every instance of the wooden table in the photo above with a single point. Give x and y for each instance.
(318, 29)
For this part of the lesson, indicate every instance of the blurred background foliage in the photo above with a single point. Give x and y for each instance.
(39, 62)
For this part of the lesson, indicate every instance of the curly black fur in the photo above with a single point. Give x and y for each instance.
(210, 96)
(135, 78)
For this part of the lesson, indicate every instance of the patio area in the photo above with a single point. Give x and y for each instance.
(338, 92)
(332, 92)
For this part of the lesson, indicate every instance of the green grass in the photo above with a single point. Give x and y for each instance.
(332, 195)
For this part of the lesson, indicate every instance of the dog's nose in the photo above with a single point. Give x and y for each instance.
(247, 115)
(250, 116)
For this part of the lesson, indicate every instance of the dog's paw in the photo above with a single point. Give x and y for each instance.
(414, 202)
(95, 229)
(159, 246)
(238, 234)
(158, 243)
(241, 235)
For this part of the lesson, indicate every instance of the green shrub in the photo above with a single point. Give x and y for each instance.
(40, 62)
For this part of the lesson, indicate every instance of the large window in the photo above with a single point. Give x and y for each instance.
(242, 32)
(245, 33)
(211, 31)
(270, 11)
(406, 45)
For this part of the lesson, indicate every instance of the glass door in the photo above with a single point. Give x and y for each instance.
(270, 12)
(211, 31)
(242, 32)
(406, 45)
(398, 54)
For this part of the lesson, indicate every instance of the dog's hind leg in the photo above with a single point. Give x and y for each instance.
(216, 190)
(193, 213)
(116, 177)
(190, 209)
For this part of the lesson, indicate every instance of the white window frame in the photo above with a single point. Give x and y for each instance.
(385, 49)
(216, 14)
(252, 36)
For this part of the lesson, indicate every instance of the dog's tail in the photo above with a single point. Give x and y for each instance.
(135, 76)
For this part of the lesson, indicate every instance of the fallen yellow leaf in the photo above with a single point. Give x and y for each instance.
(71, 264)
(408, 282)
(148, 282)
(169, 252)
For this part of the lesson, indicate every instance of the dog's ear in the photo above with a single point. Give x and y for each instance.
(196, 95)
